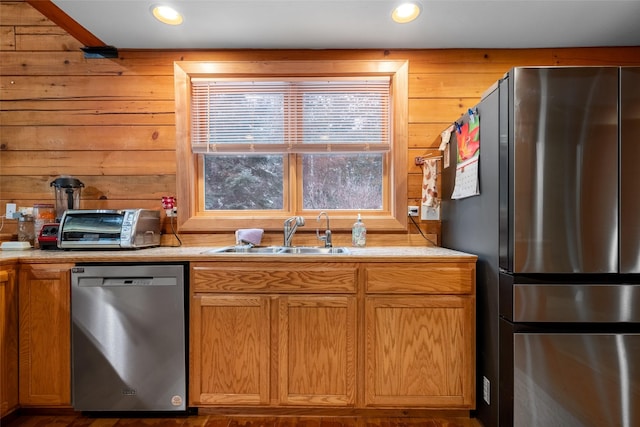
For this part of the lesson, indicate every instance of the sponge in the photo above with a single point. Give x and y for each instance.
(15, 246)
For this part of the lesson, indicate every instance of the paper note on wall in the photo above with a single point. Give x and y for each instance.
(445, 137)
(468, 142)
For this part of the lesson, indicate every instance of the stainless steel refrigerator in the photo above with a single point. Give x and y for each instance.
(556, 227)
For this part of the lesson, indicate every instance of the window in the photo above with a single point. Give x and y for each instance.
(264, 141)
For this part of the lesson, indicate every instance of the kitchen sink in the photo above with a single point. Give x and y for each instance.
(284, 250)
(245, 250)
(313, 250)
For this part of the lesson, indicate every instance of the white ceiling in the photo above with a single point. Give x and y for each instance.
(360, 24)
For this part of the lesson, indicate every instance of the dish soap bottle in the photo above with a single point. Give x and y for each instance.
(359, 233)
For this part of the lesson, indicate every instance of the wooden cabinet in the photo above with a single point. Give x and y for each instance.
(273, 334)
(420, 335)
(336, 336)
(44, 334)
(419, 351)
(8, 340)
(362, 335)
(230, 349)
(317, 349)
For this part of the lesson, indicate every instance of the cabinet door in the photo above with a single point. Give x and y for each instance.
(8, 341)
(420, 351)
(317, 350)
(229, 350)
(45, 325)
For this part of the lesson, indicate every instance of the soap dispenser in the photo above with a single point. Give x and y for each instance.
(359, 233)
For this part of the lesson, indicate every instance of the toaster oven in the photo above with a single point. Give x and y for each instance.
(109, 229)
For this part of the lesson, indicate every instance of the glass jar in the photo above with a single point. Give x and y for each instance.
(43, 213)
(26, 232)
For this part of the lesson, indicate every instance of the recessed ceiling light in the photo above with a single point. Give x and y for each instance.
(405, 12)
(166, 15)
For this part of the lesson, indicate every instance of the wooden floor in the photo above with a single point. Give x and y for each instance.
(204, 420)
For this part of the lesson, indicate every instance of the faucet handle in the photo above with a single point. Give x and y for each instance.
(327, 239)
(290, 227)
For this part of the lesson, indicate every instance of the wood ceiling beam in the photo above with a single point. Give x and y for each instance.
(64, 21)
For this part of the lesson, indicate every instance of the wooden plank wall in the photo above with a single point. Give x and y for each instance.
(110, 122)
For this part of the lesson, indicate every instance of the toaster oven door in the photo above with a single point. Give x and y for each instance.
(90, 229)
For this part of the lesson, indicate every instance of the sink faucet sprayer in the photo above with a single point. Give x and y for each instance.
(290, 227)
(327, 232)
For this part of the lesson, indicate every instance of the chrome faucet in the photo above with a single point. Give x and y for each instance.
(327, 232)
(290, 227)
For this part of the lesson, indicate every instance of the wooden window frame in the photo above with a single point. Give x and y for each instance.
(192, 219)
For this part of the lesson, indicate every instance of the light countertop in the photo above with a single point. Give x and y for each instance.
(202, 253)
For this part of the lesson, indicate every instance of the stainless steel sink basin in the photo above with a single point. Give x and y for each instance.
(314, 250)
(284, 250)
(245, 250)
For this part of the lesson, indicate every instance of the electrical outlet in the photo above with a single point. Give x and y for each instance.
(430, 213)
(171, 212)
(414, 211)
(10, 210)
(486, 390)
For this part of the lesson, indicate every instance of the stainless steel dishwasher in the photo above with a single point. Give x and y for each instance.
(128, 338)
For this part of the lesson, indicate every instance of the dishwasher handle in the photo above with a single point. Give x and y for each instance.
(126, 281)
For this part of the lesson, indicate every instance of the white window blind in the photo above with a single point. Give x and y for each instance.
(306, 116)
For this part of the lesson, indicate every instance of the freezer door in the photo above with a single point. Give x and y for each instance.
(629, 171)
(576, 303)
(563, 142)
(576, 380)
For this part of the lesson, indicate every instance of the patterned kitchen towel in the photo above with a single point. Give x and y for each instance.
(429, 183)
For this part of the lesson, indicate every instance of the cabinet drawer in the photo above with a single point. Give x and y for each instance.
(321, 277)
(428, 278)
